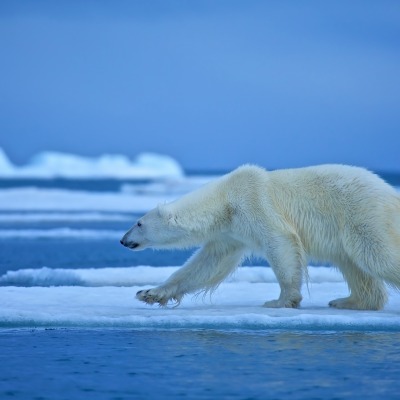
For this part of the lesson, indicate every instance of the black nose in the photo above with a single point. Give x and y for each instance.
(122, 242)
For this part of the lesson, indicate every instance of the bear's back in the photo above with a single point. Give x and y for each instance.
(320, 180)
(333, 178)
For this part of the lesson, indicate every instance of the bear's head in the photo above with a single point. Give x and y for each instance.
(157, 229)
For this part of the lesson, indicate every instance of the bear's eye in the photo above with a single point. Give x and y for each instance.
(139, 224)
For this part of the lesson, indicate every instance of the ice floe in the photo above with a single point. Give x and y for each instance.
(106, 298)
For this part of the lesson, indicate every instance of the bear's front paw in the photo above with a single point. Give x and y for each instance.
(283, 303)
(152, 296)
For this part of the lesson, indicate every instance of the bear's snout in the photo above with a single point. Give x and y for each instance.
(130, 245)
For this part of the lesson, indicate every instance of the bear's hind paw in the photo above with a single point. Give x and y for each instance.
(350, 303)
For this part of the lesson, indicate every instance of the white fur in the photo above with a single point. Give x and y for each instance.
(339, 214)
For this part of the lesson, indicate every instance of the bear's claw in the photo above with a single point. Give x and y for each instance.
(149, 297)
(158, 295)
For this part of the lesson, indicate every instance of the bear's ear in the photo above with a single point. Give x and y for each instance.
(173, 219)
(167, 215)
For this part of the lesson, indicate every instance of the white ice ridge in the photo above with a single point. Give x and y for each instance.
(140, 276)
(47, 165)
(101, 298)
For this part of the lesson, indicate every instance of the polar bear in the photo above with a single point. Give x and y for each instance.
(338, 214)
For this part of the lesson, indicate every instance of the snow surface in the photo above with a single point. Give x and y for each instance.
(105, 298)
(49, 165)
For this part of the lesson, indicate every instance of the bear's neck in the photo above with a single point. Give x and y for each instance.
(201, 212)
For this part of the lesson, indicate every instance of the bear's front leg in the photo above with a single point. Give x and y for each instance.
(203, 271)
(286, 300)
(286, 260)
(290, 284)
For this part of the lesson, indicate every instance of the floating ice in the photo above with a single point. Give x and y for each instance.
(27, 217)
(132, 199)
(105, 298)
(61, 233)
(35, 199)
(48, 165)
(171, 186)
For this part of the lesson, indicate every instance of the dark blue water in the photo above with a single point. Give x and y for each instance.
(118, 364)
(20, 253)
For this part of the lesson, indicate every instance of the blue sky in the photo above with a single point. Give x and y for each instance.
(212, 83)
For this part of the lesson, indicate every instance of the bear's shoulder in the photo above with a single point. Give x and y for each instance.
(248, 170)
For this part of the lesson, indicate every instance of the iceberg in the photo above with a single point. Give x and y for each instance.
(48, 165)
(6, 167)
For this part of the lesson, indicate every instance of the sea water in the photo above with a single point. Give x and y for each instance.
(71, 328)
(198, 364)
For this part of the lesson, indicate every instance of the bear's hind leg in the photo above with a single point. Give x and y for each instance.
(366, 292)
